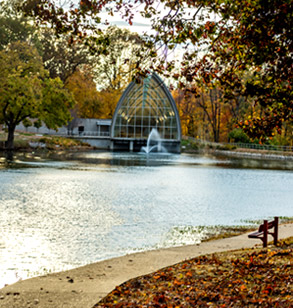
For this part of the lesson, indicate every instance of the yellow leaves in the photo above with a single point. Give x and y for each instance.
(231, 284)
(243, 287)
(177, 282)
(189, 274)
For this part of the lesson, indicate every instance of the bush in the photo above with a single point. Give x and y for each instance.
(62, 142)
(239, 136)
(189, 145)
(227, 147)
(20, 144)
(281, 140)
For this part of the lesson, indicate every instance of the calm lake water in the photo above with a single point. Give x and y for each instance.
(61, 212)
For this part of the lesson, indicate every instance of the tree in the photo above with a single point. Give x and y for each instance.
(27, 93)
(85, 93)
(61, 58)
(113, 70)
(15, 26)
(61, 55)
(223, 40)
(189, 116)
(203, 114)
(14, 29)
(211, 103)
(108, 100)
(248, 53)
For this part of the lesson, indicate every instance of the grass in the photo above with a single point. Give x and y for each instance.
(189, 145)
(23, 141)
(64, 143)
(245, 278)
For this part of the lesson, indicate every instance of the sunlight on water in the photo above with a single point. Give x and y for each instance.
(60, 214)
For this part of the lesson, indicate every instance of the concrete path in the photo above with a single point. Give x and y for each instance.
(85, 286)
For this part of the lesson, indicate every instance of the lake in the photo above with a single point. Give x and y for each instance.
(67, 210)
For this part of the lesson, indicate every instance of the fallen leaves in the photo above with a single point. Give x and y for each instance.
(248, 278)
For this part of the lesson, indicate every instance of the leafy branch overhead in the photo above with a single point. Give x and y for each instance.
(243, 48)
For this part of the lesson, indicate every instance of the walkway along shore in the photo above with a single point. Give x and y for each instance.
(83, 287)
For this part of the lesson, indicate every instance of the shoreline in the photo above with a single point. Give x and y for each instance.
(245, 154)
(259, 155)
(238, 153)
(39, 143)
(85, 286)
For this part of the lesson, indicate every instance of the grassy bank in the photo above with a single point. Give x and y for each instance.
(27, 142)
(247, 278)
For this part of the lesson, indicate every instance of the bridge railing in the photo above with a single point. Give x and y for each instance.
(267, 147)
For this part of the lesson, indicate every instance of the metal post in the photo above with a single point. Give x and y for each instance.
(131, 146)
(276, 230)
(265, 233)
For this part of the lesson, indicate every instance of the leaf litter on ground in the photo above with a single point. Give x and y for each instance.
(255, 277)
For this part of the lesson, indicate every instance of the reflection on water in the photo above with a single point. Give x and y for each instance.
(105, 159)
(64, 211)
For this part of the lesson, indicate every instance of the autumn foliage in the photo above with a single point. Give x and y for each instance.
(235, 57)
(252, 278)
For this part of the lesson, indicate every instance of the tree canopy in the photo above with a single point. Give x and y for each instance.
(244, 47)
(26, 92)
(61, 58)
(114, 68)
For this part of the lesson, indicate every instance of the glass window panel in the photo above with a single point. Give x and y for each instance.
(168, 122)
(130, 131)
(123, 121)
(117, 131)
(131, 121)
(145, 121)
(138, 132)
(146, 131)
(146, 112)
(123, 131)
(167, 133)
(174, 135)
(138, 121)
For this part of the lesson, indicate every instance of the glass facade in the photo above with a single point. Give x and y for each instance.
(144, 107)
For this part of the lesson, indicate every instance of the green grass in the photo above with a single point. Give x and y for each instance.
(22, 140)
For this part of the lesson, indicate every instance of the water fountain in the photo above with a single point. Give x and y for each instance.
(154, 137)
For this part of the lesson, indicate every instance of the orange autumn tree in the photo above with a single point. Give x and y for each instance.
(83, 88)
(108, 99)
(204, 115)
(91, 103)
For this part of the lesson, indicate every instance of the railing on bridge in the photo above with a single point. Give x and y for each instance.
(267, 147)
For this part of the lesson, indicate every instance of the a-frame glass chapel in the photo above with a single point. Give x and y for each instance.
(143, 107)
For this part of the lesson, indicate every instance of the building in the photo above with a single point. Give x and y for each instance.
(77, 127)
(143, 107)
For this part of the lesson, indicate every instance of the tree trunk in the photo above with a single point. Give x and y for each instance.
(9, 144)
(216, 135)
